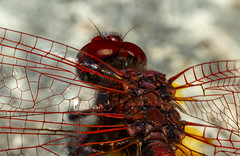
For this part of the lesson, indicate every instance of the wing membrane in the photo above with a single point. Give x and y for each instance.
(200, 140)
(49, 58)
(40, 90)
(211, 92)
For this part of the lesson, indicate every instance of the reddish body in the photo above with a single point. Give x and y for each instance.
(44, 101)
(150, 118)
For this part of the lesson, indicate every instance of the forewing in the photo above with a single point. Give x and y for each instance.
(49, 58)
(39, 88)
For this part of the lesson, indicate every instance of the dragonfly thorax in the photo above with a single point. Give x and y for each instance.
(149, 114)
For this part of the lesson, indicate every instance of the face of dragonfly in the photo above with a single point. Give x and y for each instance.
(56, 99)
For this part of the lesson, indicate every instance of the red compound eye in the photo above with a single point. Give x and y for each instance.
(135, 51)
(105, 47)
(102, 48)
(96, 38)
(114, 38)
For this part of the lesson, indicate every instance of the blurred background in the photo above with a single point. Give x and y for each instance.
(175, 34)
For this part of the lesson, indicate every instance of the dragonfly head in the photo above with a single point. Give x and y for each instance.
(112, 49)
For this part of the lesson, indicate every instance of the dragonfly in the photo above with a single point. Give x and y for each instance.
(102, 100)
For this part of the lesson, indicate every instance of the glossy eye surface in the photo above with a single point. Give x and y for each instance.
(111, 46)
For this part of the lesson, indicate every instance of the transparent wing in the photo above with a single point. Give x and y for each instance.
(211, 92)
(50, 58)
(40, 91)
